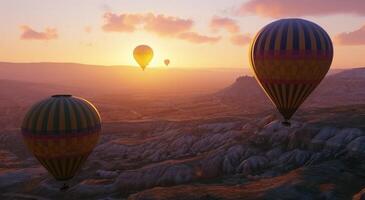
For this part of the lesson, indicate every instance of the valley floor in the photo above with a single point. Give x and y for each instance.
(228, 157)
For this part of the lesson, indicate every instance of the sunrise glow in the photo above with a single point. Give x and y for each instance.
(190, 33)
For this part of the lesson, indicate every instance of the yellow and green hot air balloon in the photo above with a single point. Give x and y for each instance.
(290, 57)
(143, 55)
(61, 132)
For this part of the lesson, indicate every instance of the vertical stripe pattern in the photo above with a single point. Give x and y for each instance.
(290, 57)
(61, 131)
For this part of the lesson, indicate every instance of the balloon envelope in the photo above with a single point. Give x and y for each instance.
(167, 62)
(290, 57)
(143, 55)
(61, 131)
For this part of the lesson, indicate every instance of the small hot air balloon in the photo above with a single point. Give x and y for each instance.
(143, 54)
(61, 132)
(167, 62)
(290, 57)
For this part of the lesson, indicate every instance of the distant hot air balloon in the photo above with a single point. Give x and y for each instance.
(290, 57)
(143, 54)
(167, 62)
(61, 132)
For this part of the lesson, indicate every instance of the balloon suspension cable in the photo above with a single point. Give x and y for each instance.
(64, 187)
(286, 123)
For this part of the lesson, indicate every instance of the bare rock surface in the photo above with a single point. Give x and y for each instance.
(194, 158)
(312, 182)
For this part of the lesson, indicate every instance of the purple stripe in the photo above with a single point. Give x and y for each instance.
(71, 155)
(61, 133)
(303, 54)
(279, 81)
(64, 136)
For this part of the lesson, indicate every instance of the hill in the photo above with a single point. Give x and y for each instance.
(341, 88)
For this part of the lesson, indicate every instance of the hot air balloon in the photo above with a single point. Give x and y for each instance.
(61, 132)
(167, 62)
(290, 57)
(143, 54)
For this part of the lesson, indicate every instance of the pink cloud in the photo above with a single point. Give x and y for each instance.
(290, 8)
(30, 34)
(240, 39)
(159, 24)
(162, 25)
(228, 24)
(198, 38)
(356, 37)
(122, 22)
(166, 25)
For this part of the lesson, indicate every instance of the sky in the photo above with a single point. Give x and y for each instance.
(191, 33)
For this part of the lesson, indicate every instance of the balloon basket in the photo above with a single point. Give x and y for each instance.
(64, 187)
(286, 123)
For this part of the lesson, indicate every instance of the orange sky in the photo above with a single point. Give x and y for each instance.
(192, 34)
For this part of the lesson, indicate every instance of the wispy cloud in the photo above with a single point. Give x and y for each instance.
(122, 22)
(240, 39)
(162, 25)
(30, 34)
(166, 25)
(198, 38)
(230, 25)
(290, 8)
(356, 37)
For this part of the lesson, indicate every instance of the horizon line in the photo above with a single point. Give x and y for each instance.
(151, 67)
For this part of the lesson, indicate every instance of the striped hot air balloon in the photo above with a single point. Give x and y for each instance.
(290, 57)
(61, 131)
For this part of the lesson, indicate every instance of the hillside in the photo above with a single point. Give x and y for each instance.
(329, 93)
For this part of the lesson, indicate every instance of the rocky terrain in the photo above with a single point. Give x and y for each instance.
(227, 145)
(222, 158)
